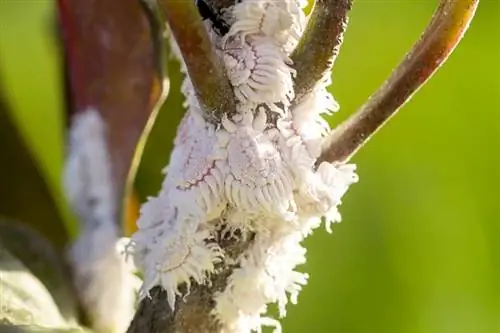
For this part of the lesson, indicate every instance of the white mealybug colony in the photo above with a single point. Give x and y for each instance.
(104, 281)
(255, 172)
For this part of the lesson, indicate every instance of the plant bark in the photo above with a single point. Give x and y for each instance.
(194, 311)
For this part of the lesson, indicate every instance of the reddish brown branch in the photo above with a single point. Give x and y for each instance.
(204, 67)
(444, 32)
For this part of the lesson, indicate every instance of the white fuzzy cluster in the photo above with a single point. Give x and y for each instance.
(253, 173)
(103, 279)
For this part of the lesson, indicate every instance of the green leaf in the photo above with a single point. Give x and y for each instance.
(158, 143)
(34, 281)
(24, 192)
(32, 87)
(38, 329)
(39, 257)
(160, 139)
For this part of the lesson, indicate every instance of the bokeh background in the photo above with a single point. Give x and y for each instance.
(418, 250)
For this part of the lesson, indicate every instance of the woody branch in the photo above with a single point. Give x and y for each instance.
(154, 313)
(312, 58)
(204, 68)
(215, 96)
(442, 35)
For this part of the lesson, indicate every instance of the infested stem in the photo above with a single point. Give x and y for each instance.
(193, 313)
(313, 59)
(442, 35)
(206, 71)
(319, 46)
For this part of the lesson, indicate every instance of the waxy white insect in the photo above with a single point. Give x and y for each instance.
(102, 278)
(256, 170)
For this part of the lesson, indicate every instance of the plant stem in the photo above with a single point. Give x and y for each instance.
(442, 35)
(205, 69)
(319, 46)
(193, 313)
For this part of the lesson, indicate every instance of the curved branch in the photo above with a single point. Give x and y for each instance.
(205, 69)
(442, 35)
(319, 46)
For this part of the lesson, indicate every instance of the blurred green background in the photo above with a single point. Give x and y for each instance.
(418, 250)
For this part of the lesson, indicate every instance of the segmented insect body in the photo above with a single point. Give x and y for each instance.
(255, 171)
(172, 244)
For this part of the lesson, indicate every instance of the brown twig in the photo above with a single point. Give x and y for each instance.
(204, 67)
(215, 94)
(193, 314)
(319, 46)
(444, 32)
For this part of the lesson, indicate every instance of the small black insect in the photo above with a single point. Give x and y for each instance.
(207, 12)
